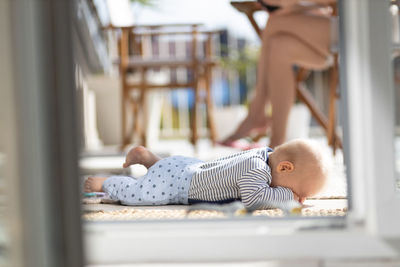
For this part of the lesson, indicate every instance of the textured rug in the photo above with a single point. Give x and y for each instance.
(168, 214)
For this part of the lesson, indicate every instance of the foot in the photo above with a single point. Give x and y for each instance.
(249, 127)
(94, 184)
(243, 144)
(140, 155)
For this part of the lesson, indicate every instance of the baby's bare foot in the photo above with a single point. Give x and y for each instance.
(94, 184)
(140, 155)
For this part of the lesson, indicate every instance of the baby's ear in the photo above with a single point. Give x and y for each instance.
(285, 166)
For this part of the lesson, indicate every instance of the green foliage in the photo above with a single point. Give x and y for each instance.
(150, 3)
(240, 60)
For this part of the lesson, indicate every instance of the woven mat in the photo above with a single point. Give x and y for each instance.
(163, 214)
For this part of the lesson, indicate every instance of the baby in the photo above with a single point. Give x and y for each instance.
(295, 170)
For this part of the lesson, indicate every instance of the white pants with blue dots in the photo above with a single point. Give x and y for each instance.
(166, 182)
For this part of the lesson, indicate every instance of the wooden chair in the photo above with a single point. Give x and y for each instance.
(133, 58)
(328, 123)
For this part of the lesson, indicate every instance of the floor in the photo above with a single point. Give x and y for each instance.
(113, 212)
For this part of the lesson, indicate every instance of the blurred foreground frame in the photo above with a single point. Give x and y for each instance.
(47, 218)
(44, 221)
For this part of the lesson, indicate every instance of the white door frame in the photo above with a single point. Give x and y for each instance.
(39, 137)
(370, 104)
(374, 215)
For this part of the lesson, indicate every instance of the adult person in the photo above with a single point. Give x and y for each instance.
(297, 33)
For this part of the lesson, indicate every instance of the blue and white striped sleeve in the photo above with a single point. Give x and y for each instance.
(255, 191)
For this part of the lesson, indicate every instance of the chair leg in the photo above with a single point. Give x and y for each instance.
(140, 114)
(125, 89)
(210, 106)
(302, 75)
(307, 99)
(194, 135)
(124, 139)
(135, 118)
(333, 83)
(124, 99)
(320, 117)
(136, 130)
(143, 118)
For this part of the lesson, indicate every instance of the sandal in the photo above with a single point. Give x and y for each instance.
(241, 144)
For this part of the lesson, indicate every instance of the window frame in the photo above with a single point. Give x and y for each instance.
(371, 109)
(40, 134)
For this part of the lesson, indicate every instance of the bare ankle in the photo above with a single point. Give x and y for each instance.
(140, 155)
(94, 184)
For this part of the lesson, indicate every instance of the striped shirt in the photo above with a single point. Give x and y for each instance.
(244, 176)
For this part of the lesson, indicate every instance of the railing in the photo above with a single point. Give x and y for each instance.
(91, 49)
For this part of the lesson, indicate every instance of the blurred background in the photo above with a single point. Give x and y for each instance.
(235, 49)
(72, 104)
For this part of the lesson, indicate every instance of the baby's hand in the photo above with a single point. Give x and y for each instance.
(296, 197)
(299, 199)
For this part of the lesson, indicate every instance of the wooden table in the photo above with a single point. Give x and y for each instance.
(248, 8)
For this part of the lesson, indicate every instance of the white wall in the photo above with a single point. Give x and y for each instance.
(108, 102)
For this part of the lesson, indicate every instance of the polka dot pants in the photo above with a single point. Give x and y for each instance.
(166, 182)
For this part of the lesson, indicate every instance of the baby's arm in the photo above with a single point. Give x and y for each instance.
(256, 192)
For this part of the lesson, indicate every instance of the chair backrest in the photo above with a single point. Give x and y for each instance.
(147, 40)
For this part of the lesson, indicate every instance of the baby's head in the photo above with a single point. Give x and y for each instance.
(300, 166)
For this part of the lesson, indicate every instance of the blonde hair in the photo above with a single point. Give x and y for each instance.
(310, 162)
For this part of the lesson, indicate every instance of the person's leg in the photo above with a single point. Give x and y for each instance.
(140, 155)
(286, 51)
(256, 119)
(313, 31)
